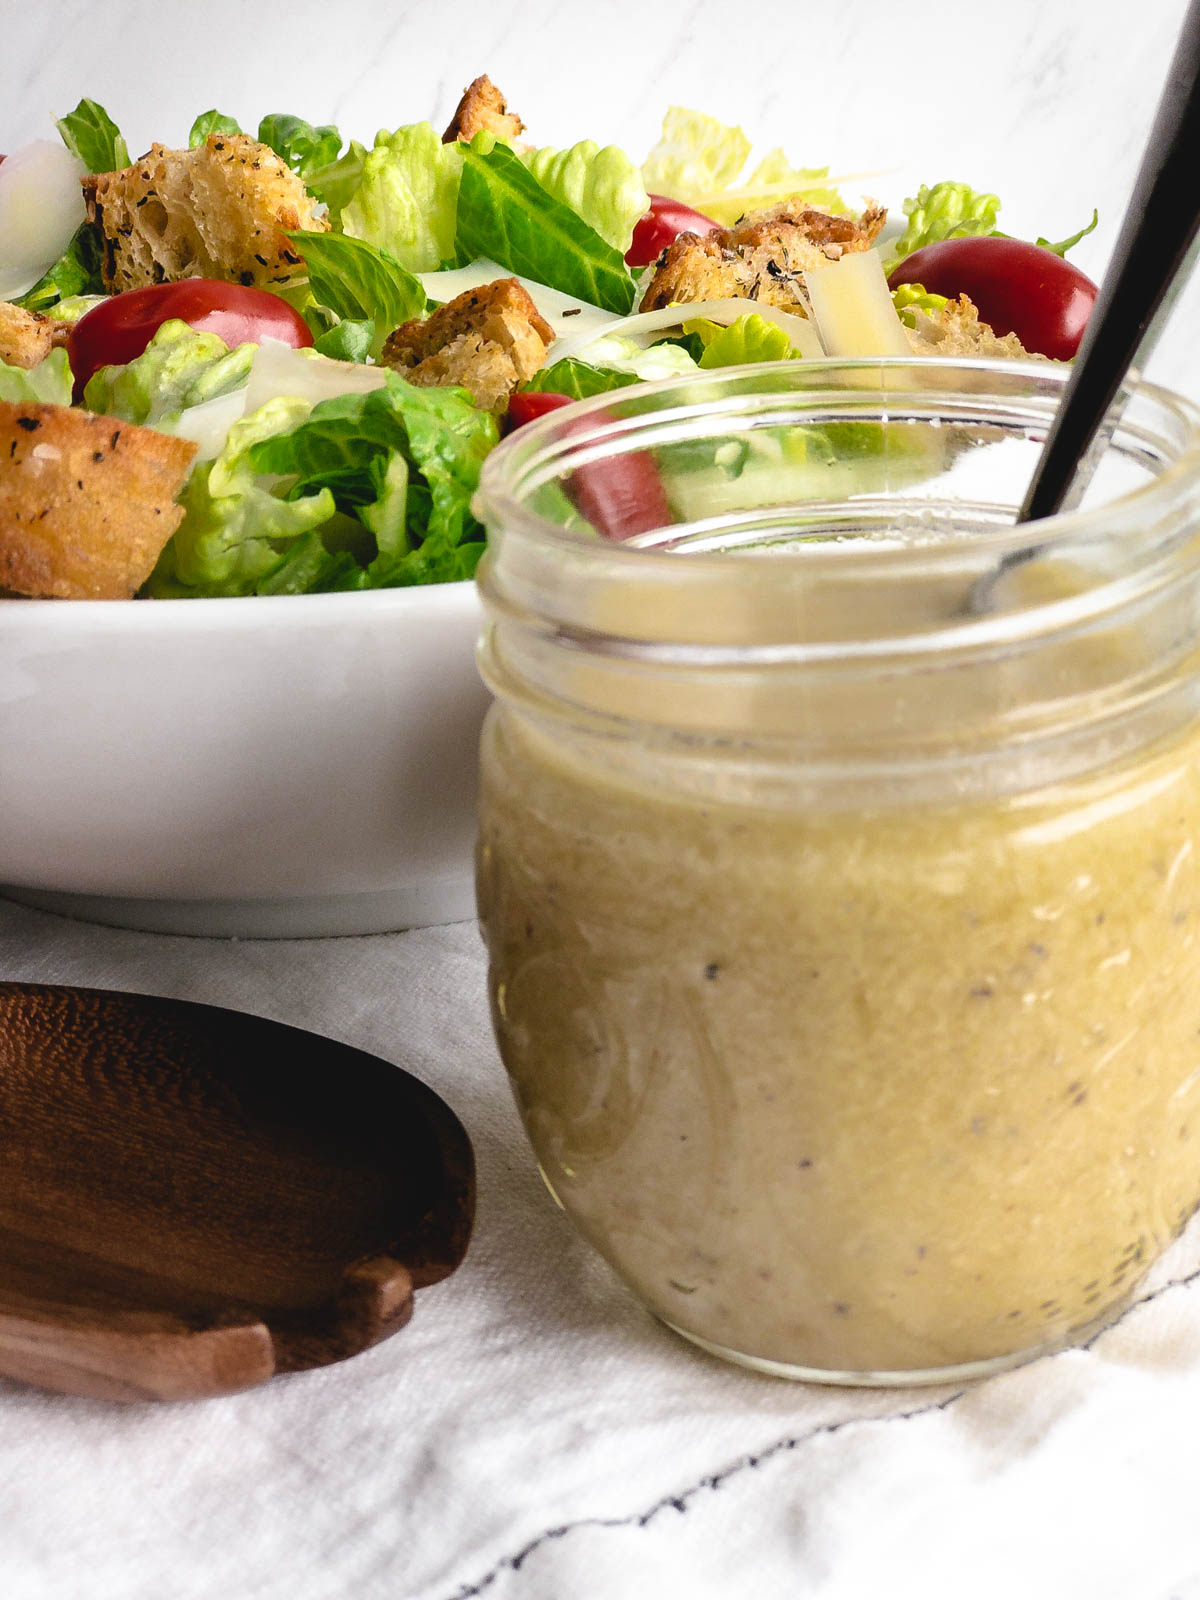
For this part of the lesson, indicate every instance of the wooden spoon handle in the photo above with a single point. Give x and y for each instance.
(133, 1355)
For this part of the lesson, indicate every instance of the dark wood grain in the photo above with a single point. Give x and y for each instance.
(192, 1199)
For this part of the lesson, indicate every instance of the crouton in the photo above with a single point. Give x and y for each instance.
(488, 340)
(482, 108)
(26, 337)
(219, 211)
(956, 330)
(762, 258)
(86, 503)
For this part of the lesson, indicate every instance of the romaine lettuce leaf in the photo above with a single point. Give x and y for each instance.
(944, 211)
(360, 491)
(696, 157)
(405, 198)
(178, 369)
(305, 148)
(237, 532)
(750, 338)
(91, 134)
(358, 281)
(601, 185)
(336, 183)
(49, 382)
(348, 340)
(956, 211)
(579, 379)
(210, 122)
(911, 298)
(506, 215)
(611, 352)
(700, 161)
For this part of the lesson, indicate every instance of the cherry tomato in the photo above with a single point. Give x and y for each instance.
(620, 496)
(1016, 287)
(661, 226)
(120, 328)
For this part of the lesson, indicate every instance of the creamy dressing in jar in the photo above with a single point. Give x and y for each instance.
(843, 946)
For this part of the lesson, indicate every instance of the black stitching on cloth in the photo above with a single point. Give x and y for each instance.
(680, 1502)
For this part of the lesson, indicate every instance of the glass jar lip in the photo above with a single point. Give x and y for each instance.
(580, 429)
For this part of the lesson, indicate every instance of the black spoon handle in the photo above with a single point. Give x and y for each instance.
(1157, 246)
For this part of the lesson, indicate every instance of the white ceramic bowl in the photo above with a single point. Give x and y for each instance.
(275, 767)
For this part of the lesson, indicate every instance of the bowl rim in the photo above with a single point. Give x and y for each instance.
(201, 613)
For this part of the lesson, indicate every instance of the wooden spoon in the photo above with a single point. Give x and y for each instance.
(193, 1199)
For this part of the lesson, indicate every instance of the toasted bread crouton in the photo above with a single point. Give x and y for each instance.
(218, 211)
(488, 340)
(955, 330)
(86, 503)
(762, 258)
(482, 107)
(26, 337)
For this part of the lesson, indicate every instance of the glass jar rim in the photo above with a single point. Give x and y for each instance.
(637, 417)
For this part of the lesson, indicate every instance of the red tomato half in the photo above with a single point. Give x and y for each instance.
(661, 226)
(1016, 287)
(120, 328)
(619, 497)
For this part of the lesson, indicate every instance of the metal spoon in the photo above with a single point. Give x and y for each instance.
(1157, 247)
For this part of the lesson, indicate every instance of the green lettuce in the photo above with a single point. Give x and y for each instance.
(701, 161)
(601, 185)
(337, 182)
(945, 211)
(210, 122)
(579, 379)
(750, 338)
(48, 383)
(360, 491)
(405, 196)
(956, 211)
(91, 134)
(911, 298)
(359, 282)
(505, 215)
(305, 149)
(613, 353)
(178, 369)
(237, 530)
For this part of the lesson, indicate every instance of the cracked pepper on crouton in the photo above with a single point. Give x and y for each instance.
(86, 502)
(762, 258)
(219, 211)
(488, 340)
(481, 108)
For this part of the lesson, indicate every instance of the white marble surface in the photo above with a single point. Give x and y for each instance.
(1044, 102)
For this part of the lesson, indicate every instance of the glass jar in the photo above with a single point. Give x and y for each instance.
(838, 859)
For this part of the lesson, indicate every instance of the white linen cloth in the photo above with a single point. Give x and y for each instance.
(534, 1435)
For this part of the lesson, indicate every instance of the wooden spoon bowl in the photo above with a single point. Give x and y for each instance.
(193, 1199)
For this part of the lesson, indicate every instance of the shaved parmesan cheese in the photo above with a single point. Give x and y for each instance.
(278, 371)
(853, 308)
(41, 205)
(564, 313)
(208, 424)
(644, 326)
